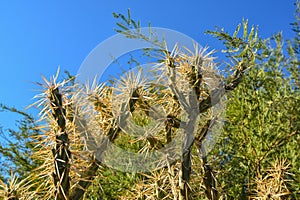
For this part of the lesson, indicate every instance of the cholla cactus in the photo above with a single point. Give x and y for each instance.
(66, 164)
(16, 189)
(274, 184)
(79, 122)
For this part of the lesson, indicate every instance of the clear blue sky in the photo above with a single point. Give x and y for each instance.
(38, 36)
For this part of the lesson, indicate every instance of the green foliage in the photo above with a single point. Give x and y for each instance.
(262, 122)
(132, 29)
(237, 46)
(16, 146)
(111, 184)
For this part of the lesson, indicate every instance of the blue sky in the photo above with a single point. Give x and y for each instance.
(38, 36)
